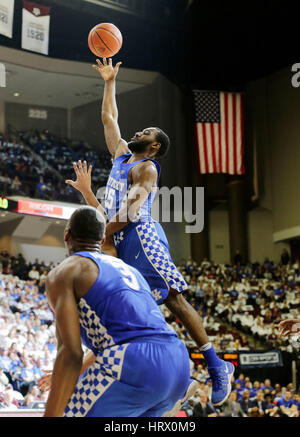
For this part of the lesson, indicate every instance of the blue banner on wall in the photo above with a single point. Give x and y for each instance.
(253, 359)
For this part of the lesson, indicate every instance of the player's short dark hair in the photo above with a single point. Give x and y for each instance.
(87, 224)
(164, 141)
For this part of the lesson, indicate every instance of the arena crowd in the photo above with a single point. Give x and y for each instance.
(247, 399)
(250, 298)
(36, 164)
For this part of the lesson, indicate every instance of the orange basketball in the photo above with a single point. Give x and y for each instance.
(105, 40)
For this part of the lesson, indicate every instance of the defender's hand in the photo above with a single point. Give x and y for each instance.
(291, 326)
(106, 70)
(83, 182)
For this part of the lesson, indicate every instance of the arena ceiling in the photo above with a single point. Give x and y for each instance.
(58, 90)
(40, 80)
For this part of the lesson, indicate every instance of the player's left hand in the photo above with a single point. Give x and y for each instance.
(107, 70)
(83, 182)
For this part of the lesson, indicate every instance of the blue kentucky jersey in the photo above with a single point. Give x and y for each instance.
(118, 185)
(119, 307)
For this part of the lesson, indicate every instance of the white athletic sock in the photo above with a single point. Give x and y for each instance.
(206, 346)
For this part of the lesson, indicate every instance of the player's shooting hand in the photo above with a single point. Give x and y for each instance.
(83, 181)
(44, 383)
(107, 70)
(291, 326)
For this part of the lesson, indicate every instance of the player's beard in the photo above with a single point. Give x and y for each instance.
(138, 146)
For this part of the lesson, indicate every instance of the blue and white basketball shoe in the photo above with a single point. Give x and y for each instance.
(221, 382)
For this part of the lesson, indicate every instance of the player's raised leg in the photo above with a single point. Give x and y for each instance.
(219, 370)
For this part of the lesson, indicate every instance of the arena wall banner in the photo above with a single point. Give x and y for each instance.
(35, 27)
(44, 209)
(6, 17)
(249, 360)
(32, 207)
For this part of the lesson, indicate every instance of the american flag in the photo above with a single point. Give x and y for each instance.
(219, 126)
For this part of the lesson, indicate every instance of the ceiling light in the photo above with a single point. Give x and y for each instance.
(16, 94)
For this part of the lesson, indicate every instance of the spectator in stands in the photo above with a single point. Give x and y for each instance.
(200, 374)
(22, 270)
(258, 405)
(237, 258)
(36, 263)
(268, 317)
(43, 273)
(277, 389)
(7, 269)
(270, 409)
(28, 401)
(188, 407)
(232, 408)
(244, 342)
(199, 291)
(34, 274)
(202, 407)
(285, 257)
(285, 401)
(245, 401)
(10, 338)
(16, 186)
(8, 401)
(248, 383)
(239, 390)
(267, 385)
(5, 362)
(50, 344)
(17, 397)
(240, 380)
(33, 395)
(42, 189)
(25, 379)
(297, 400)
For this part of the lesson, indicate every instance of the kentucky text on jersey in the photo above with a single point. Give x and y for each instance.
(118, 185)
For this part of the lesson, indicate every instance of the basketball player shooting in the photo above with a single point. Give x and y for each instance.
(140, 241)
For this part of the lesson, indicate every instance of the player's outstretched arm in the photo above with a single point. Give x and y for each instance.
(115, 144)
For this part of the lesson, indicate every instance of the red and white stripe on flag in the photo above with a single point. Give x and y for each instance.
(220, 132)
